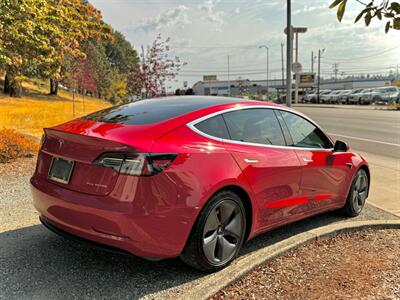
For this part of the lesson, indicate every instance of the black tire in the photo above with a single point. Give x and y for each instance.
(194, 253)
(358, 194)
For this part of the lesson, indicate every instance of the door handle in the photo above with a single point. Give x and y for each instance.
(251, 161)
(307, 160)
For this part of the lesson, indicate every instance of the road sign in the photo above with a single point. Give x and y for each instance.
(209, 77)
(306, 79)
(297, 67)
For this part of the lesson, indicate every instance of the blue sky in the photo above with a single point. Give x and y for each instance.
(204, 32)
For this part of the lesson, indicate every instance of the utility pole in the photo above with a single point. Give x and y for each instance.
(335, 67)
(229, 82)
(312, 62)
(266, 47)
(289, 56)
(283, 67)
(319, 74)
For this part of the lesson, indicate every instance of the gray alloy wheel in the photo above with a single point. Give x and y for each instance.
(360, 191)
(218, 233)
(222, 232)
(358, 194)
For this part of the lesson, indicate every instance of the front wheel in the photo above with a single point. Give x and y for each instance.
(357, 195)
(218, 233)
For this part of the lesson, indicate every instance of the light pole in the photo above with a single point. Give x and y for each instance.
(319, 72)
(289, 56)
(266, 47)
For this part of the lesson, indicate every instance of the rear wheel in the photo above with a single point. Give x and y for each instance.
(357, 195)
(218, 233)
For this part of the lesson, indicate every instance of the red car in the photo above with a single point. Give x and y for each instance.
(191, 176)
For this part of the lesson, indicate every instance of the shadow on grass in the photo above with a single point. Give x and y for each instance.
(36, 263)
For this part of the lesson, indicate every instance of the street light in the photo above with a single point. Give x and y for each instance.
(266, 47)
(320, 52)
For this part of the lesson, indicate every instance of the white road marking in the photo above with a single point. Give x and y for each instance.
(366, 140)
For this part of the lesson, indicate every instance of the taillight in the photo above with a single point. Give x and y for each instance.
(136, 164)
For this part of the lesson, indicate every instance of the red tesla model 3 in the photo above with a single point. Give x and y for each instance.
(191, 176)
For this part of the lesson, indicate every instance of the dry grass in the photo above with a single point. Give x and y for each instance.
(14, 145)
(37, 110)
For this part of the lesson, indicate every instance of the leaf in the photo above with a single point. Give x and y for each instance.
(360, 15)
(341, 9)
(335, 3)
(379, 14)
(387, 27)
(368, 18)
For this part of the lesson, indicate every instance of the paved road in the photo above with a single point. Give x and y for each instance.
(376, 136)
(372, 131)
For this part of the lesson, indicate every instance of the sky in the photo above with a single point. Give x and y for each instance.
(205, 32)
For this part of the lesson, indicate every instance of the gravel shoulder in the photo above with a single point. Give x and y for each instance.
(362, 265)
(36, 263)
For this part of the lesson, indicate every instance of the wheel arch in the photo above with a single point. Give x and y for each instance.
(366, 169)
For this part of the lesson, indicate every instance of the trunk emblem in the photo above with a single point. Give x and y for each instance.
(60, 143)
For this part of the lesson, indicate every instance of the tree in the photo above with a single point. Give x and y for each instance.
(24, 39)
(389, 10)
(156, 67)
(78, 21)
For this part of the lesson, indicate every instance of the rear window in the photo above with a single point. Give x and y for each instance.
(155, 110)
(214, 126)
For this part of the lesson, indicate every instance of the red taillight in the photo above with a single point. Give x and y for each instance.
(136, 164)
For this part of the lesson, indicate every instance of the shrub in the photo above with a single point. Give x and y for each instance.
(13, 145)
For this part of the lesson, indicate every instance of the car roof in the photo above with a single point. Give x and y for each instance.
(157, 110)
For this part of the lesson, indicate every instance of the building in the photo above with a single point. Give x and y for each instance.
(259, 87)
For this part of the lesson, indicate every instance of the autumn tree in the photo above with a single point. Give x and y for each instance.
(24, 39)
(384, 10)
(156, 67)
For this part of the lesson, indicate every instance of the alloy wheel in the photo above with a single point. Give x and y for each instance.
(360, 191)
(223, 232)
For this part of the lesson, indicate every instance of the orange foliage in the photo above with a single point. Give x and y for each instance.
(14, 145)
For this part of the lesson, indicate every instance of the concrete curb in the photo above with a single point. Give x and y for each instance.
(213, 283)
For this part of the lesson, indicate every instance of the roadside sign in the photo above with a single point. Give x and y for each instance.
(306, 79)
(209, 77)
(297, 67)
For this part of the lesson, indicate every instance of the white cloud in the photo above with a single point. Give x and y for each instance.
(173, 17)
(213, 16)
(237, 10)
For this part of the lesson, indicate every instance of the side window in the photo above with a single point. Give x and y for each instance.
(304, 133)
(256, 125)
(214, 126)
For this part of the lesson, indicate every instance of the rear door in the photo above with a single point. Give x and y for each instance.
(273, 171)
(323, 174)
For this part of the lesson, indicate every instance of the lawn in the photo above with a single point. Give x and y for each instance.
(37, 110)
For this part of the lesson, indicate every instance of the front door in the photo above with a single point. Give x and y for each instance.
(323, 172)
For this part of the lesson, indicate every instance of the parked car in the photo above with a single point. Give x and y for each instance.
(191, 176)
(336, 98)
(328, 97)
(384, 95)
(313, 96)
(352, 97)
(344, 96)
(366, 96)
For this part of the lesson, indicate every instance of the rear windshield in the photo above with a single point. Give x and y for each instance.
(155, 110)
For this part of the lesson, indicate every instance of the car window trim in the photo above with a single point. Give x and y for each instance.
(192, 124)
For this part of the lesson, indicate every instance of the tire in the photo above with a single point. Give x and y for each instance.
(358, 194)
(211, 246)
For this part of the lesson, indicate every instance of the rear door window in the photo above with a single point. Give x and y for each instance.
(256, 125)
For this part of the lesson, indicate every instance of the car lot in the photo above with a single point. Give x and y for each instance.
(382, 95)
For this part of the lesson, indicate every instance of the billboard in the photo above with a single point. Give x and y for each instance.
(306, 80)
(209, 77)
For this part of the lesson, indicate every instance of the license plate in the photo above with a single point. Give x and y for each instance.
(61, 170)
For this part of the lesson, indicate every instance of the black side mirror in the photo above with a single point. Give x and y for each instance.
(340, 147)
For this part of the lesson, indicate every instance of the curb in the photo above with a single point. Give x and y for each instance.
(213, 283)
(374, 108)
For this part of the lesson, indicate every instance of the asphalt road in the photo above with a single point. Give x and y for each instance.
(367, 130)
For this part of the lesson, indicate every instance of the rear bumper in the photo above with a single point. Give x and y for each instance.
(137, 226)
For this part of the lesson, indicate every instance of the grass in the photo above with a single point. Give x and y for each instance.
(37, 110)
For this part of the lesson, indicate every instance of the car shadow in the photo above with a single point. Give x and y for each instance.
(36, 263)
